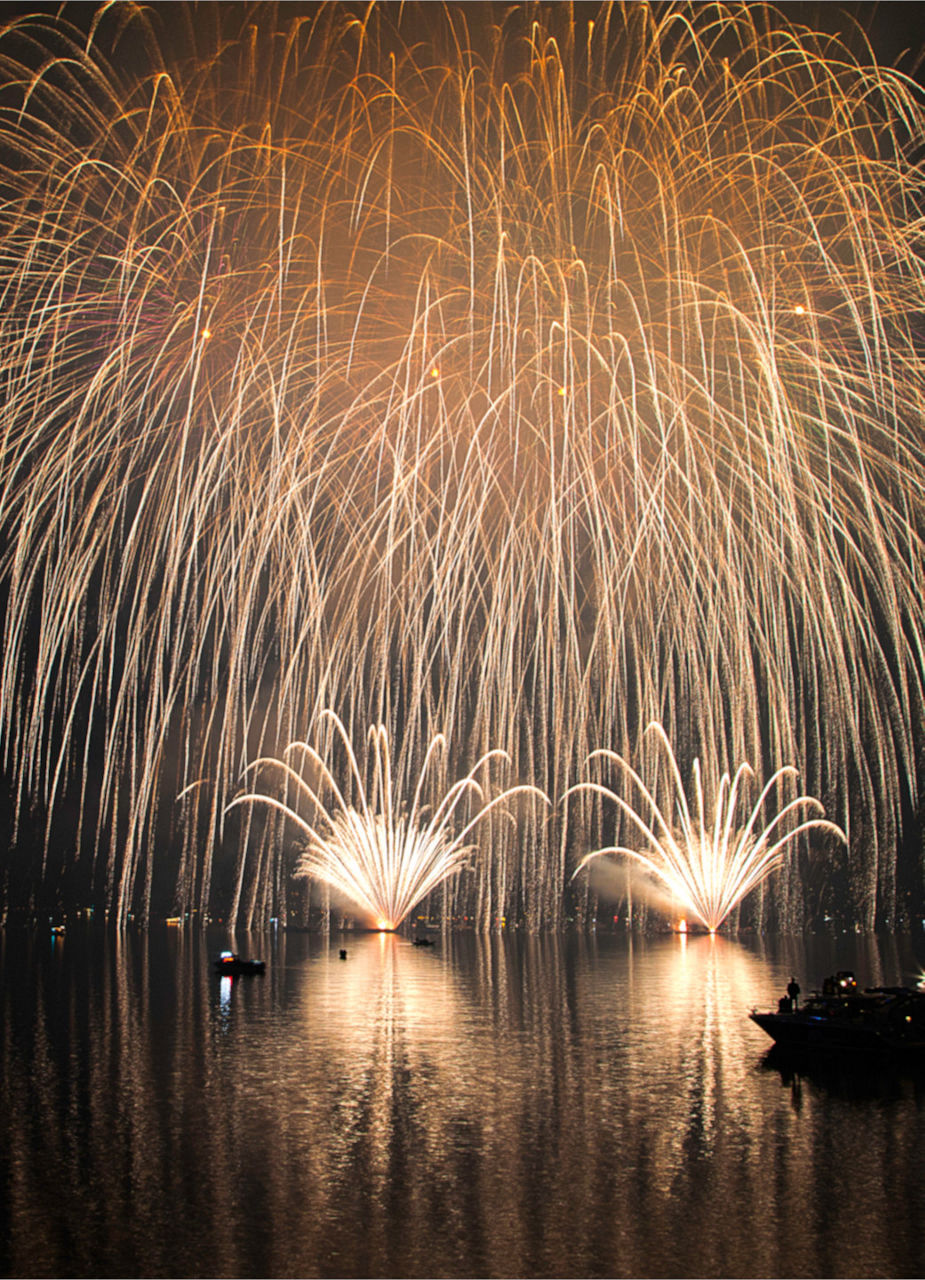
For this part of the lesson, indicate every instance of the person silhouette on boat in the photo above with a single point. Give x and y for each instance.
(793, 992)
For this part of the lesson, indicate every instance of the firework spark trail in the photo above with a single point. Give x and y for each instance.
(707, 868)
(381, 858)
(538, 380)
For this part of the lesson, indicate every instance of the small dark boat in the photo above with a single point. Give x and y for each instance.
(229, 962)
(421, 942)
(885, 1020)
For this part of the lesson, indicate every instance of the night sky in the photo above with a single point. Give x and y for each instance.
(350, 366)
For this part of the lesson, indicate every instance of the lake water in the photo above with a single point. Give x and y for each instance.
(486, 1107)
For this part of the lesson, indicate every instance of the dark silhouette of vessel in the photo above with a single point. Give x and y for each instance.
(843, 1018)
(229, 962)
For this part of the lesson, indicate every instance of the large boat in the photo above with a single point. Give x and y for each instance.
(230, 962)
(844, 1018)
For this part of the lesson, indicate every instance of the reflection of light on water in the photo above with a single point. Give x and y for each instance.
(412, 1052)
(387, 983)
(225, 983)
(690, 1052)
(392, 1007)
(389, 1024)
(498, 1107)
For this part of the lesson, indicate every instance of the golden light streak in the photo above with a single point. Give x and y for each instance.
(706, 857)
(445, 366)
(373, 851)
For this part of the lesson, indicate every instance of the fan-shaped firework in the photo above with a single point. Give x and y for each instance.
(706, 862)
(460, 366)
(383, 859)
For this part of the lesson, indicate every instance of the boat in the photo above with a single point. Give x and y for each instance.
(229, 962)
(422, 942)
(843, 1018)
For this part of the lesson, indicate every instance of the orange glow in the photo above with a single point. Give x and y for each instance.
(717, 859)
(385, 861)
(291, 523)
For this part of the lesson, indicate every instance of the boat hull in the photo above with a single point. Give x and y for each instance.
(237, 965)
(795, 1031)
(883, 1020)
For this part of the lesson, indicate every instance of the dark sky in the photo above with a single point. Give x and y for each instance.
(896, 28)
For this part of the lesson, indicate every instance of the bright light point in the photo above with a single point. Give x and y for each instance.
(799, 309)
(382, 855)
(435, 372)
(705, 853)
(562, 391)
(206, 334)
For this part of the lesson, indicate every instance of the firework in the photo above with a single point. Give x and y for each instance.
(706, 862)
(491, 369)
(381, 859)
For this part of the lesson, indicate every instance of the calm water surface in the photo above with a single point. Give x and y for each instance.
(486, 1107)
